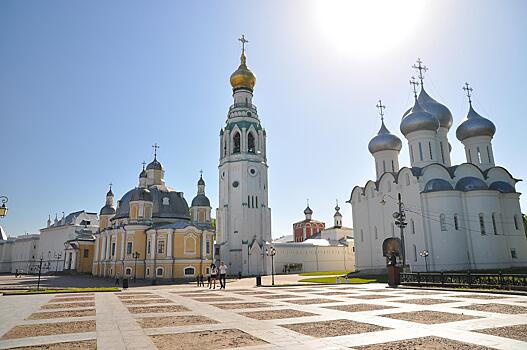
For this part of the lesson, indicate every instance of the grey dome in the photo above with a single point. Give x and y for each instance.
(435, 185)
(471, 183)
(418, 119)
(141, 194)
(438, 110)
(200, 201)
(110, 193)
(502, 186)
(142, 174)
(475, 125)
(177, 207)
(384, 140)
(308, 211)
(154, 165)
(107, 210)
(201, 181)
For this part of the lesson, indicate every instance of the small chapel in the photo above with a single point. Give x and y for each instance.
(152, 233)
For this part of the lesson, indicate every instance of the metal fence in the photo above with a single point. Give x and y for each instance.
(466, 280)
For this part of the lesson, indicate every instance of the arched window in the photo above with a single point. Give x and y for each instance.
(516, 224)
(189, 271)
(384, 166)
(442, 151)
(488, 154)
(128, 271)
(159, 272)
(420, 151)
(236, 145)
(411, 154)
(375, 232)
(456, 222)
(393, 166)
(494, 226)
(251, 147)
(442, 222)
(412, 225)
(482, 224)
(415, 252)
(479, 154)
(407, 180)
(430, 149)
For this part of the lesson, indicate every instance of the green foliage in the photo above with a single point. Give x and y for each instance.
(332, 280)
(324, 273)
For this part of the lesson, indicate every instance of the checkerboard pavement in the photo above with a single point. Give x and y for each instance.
(310, 317)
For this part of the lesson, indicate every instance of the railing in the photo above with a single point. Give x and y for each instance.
(243, 105)
(466, 279)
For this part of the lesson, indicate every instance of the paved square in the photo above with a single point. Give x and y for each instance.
(368, 317)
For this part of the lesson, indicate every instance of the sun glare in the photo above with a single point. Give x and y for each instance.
(369, 27)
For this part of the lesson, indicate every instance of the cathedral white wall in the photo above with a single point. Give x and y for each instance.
(25, 254)
(314, 258)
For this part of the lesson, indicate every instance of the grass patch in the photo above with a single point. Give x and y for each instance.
(324, 273)
(56, 291)
(331, 280)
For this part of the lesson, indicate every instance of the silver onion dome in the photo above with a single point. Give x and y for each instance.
(475, 125)
(308, 211)
(384, 140)
(418, 119)
(438, 110)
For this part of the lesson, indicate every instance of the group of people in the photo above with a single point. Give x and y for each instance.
(215, 272)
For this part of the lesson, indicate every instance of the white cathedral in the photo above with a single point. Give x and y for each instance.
(243, 217)
(464, 216)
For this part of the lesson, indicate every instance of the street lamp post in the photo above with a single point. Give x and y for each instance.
(271, 252)
(39, 273)
(3, 208)
(136, 256)
(400, 218)
(425, 254)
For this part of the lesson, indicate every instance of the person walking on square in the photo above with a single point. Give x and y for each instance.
(117, 279)
(223, 275)
(213, 276)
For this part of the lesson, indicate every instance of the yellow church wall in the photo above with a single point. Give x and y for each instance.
(84, 264)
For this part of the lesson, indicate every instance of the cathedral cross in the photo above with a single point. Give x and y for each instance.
(380, 106)
(144, 164)
(243, 41)
(468, 90)
(201, 172)
(421, 68)
(414, 86)
(111, 184)
(155, 147)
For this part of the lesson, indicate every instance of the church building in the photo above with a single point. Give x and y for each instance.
(459, 217)
(153, 234)
(243, 226)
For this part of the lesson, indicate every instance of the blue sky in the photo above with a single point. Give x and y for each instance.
(86, 87)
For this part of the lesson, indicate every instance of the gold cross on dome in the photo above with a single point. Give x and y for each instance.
(243, 41)
(468, 90)
(380, 106)
(420, 68)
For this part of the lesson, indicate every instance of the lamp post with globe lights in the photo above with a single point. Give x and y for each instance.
(425, 254)
(271, 252)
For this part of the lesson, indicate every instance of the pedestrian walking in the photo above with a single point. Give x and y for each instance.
(213, 276)
(223, 274)
(16, 273)
(117, 280)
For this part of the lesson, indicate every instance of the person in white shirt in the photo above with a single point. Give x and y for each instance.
(223, 275)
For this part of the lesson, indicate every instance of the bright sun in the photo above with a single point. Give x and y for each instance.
(368, 27)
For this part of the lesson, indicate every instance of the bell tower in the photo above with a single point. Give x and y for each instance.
(243, 224)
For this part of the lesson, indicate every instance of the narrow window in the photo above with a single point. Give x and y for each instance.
(513, 253)
(383, 166)
(469, 156)
(482, 224)
(442, 222)
(415, 252)
(236, 138)
(86, 253)
(148, 247)
(442, 152)
(479, 154)
(420, 151)
(407, 180)
(393, 166)
(129, 248)
(160, 247)
(207, 247)
(488, 154)
(430, 149)
(361, 235)
(411, 154)
(516, 225)
(494, 226)
(113, 249)
(252, 201)
(375, 232)
(456, 222)
(251, 148)
(148, 271)
(412, 224)
(256, 200)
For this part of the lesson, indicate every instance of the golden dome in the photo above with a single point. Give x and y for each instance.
(243, 77)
